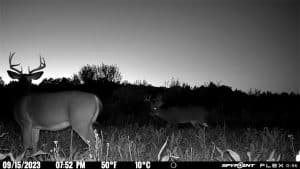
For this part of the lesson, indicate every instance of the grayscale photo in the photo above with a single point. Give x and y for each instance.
(149, 83)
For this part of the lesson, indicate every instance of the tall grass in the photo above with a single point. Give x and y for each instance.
(145, 143)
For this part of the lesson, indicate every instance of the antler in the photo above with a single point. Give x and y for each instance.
(147, 99)
(12, 67)
(42, 66)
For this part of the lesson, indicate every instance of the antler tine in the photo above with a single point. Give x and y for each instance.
(12, 66)
(42, 66)
(147, 98)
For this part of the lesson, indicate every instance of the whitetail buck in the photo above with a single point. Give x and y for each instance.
(194, 115)
(52, 111)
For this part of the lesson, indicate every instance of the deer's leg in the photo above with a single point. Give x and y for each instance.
(91, 135)
(35, 138)
(27, 140)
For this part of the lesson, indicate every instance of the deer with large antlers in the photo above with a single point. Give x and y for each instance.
(52, 111)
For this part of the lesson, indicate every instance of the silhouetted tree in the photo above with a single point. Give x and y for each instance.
(174, 83)
(59, 84)
(101, 72)
(110, 73)
(88, 73)
(1, 81)
(47, 81)
(141, 83)
(125, 82)
(75, 80)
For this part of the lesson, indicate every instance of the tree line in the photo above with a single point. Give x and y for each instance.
(123, 100)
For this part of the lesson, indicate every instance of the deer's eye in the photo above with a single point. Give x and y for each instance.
(155, 108)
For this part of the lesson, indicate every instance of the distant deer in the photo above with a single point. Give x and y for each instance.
(194, 115)
(52, 111)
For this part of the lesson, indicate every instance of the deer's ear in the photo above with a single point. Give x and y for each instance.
(13, 75)
(36, 75)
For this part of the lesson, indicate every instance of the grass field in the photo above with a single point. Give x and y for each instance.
(143, 143)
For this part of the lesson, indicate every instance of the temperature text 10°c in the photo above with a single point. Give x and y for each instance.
(140, 164)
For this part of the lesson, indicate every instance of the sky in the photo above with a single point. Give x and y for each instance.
(245, 44)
